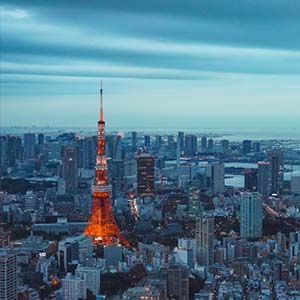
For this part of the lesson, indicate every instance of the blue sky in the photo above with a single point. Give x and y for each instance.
(196, 63)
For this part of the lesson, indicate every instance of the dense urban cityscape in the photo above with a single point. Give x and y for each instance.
(172, 216)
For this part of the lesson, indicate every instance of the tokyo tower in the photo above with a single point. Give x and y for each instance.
(102, 226)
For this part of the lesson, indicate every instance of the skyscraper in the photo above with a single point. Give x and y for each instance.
(205, 239)
(216, 179)
(264, 179)
(180, 139)
(275, 157)
(246, 146)
(145, 175)
(8, 277)
(251, 215)
(134, 140)
(204, 144)
(92, 277)
(147, 141)
(14, 150)
(70, 168)
(251, 180)
(3, 154)
(210, 145)
(190, 144)
(29, 145)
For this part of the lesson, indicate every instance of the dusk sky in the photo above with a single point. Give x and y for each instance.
(209, 62)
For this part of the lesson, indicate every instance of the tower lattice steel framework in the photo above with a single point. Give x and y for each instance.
(102, 226)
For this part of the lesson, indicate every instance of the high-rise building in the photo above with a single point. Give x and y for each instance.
(275, 157)
(147, 141)
(180, 139)
(113, 146)
(216, 179)
(116, 173)
(3, 154)
(102, 226)
(205, 240)
(225, 145)
(246, 146)
(70, 168)
(204, 144)
(14, 150)
(256, 147)
(210, 145)
(190, 144)
(134, 140)
(178, 282)
(251, 215)
(92, 276)
(264, 179)
(41, 138)
(251, 180)
(86, 152)
(8, 277)
(193, 200)
(158, 141)
(145, 175)
(74, 287)
(29, 145)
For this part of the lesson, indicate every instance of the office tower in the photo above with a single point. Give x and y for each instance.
(3, 154)
(158, 141)
(145, 175)
(210, 145)
(216, 179)
(70, 168)
(102, 226)
(113, 146)
(251, 215)
(8, 277)
(275, 157)
(251, 180)
(41, 138)
(295, 184)
(264, 179)
(29, 145)
(256, 147)
(77, 248)
(190, 145)
(147, 141)
(204, 144)
(112, 255)
(171, 142)
(116, 173)
(14, 148)
(180, 139)
(178, 282)
(205, 240)
(246, 146)
(86, 152)
(134, 140)
(92, 276)
(73, 287)
(225, 146)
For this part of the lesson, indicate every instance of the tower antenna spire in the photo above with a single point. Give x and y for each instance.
(101, 103)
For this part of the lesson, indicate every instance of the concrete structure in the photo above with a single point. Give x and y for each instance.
(251, 215)
(8, 277)
(145, 175)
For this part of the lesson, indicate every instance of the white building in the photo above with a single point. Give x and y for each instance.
(74, 287)
(92, 275)
(251, 215)
(8, 277)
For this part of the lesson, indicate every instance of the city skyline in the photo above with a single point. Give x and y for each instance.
(224, 64)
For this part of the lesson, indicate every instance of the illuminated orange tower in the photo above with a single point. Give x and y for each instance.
(102, 226)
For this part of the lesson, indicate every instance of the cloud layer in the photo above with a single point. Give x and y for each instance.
(226, 51)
